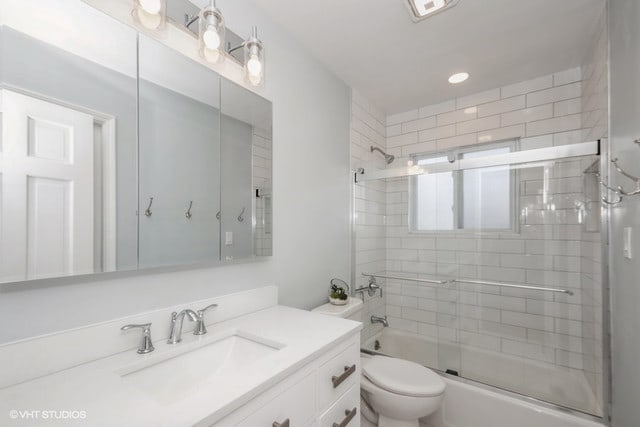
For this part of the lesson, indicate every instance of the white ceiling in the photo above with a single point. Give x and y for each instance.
(375, 47)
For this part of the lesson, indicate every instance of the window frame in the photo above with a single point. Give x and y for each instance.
(458, 188)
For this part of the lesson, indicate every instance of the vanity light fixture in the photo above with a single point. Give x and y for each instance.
(211, 36)
(422, 9)
(211, 32)
(254, 59)
(151, 14)
(458, 78)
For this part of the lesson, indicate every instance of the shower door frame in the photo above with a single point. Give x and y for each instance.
(521, 157)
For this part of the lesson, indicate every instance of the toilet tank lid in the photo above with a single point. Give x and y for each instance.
(403, 377)
(353, 305)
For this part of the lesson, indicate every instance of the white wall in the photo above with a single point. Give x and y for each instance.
(310, 199)
(624, 36)
(310, 162)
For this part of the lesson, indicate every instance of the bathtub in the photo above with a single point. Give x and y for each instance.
(470, 403)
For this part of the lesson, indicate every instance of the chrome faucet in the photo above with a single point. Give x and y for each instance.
(201, 328)
(146, 345)
(379, 319)
(176, 324)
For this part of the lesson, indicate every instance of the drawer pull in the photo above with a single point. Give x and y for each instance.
(285, 423)
(349, 416)
(339, 380)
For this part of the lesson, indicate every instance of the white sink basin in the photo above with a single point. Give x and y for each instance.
(175, 376)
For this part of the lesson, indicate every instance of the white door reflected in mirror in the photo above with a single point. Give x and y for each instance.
(47, 174)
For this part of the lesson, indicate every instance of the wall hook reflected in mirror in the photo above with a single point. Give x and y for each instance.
(188, 212)
(147, 212)
(241, 216)
(218, 216)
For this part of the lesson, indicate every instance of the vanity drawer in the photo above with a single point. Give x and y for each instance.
(337, 375)
(345, 412)
(297, 404)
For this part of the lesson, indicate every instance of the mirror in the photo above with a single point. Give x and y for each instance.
(246, 177)
(120, 153)
(179, 120)
(68, 142)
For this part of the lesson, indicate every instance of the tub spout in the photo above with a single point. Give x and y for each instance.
(380, 319)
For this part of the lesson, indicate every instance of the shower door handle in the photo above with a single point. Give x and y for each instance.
(340, 379)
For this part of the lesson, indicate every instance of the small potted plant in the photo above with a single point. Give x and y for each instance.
(338, 295)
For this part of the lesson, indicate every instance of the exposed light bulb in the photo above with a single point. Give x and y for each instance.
(152, 7)
(211, 38)
(254, 66)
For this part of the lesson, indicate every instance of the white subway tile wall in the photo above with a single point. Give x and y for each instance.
(550, 248)
(262, 149)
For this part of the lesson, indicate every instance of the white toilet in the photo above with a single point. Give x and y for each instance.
(400, 392)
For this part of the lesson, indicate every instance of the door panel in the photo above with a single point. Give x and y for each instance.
(49, 233)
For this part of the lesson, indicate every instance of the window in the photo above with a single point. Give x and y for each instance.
(472, 199)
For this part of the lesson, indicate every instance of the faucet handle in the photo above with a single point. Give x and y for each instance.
(146, 345)
(200, 328)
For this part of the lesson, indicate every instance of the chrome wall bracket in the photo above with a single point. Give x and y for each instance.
(619, 191)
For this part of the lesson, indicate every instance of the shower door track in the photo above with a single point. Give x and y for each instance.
(538, 157)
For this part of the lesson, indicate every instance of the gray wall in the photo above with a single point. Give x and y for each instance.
(235, 157)
(625, 273)
(179, 163)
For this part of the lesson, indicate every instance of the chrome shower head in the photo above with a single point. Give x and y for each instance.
(387, 157)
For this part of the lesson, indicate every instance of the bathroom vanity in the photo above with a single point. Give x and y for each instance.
(260, 364)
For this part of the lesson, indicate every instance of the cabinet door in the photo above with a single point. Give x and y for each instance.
(345, 412)
(297, 404)
(337, 375)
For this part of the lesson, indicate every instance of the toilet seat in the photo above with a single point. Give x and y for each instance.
(403, 377)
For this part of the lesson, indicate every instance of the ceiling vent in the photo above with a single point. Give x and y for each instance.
(422, 9)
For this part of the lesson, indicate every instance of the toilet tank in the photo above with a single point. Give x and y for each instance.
(351, 310)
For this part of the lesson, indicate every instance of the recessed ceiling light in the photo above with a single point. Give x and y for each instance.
(458, 78)
(424, 8)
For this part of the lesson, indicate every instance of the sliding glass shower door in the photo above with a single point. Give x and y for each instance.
(493, 270)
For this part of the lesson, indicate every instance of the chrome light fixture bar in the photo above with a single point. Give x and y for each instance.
(212, 33)
(422, 9)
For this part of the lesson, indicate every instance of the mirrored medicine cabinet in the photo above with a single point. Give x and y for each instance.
(120, 153)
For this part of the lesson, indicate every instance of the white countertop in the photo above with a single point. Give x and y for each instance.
(109, 400)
